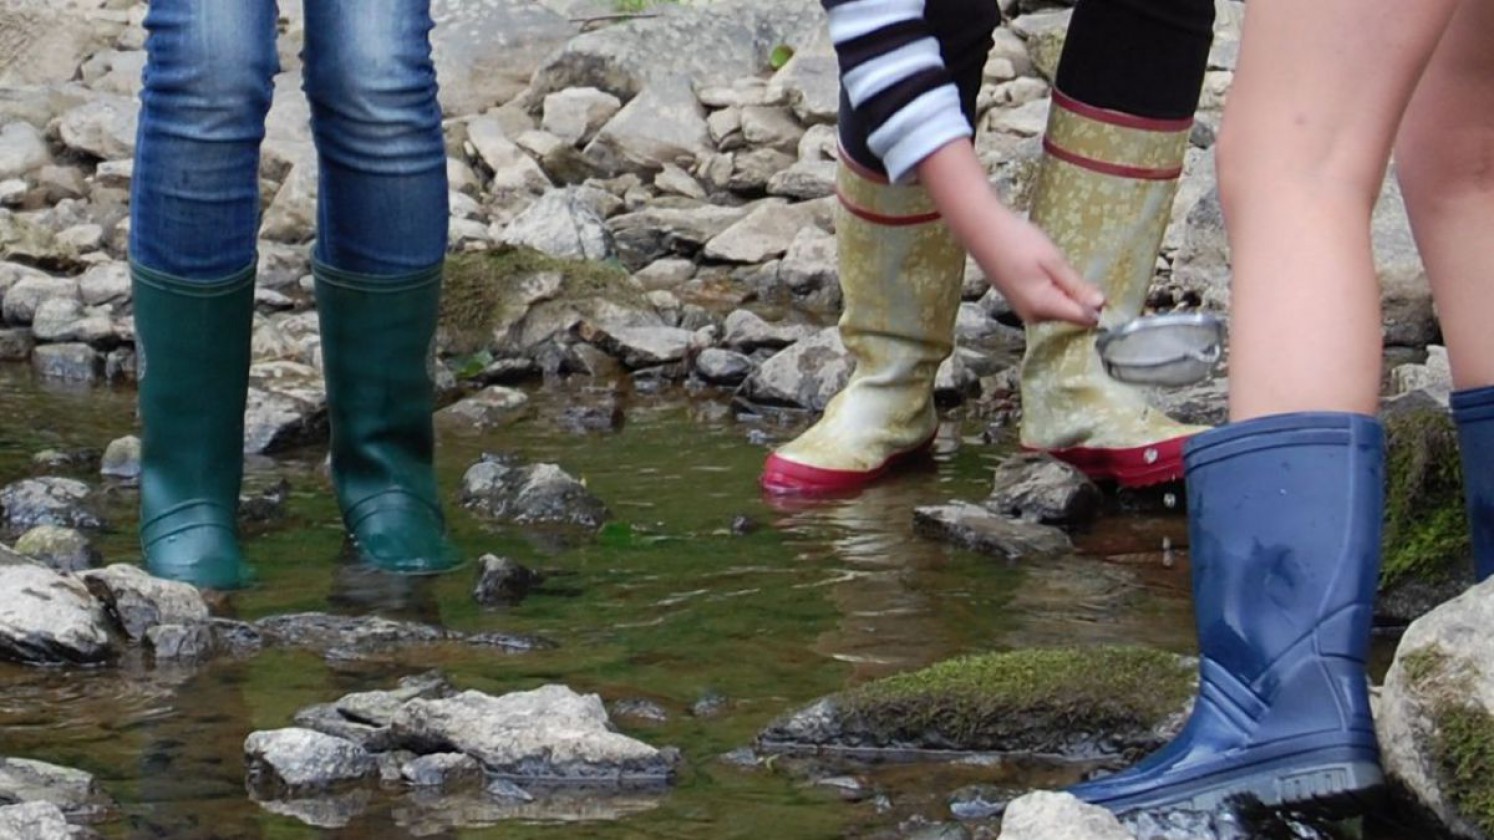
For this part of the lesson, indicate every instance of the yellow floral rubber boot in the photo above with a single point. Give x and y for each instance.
(900, 277)
(1104, 195)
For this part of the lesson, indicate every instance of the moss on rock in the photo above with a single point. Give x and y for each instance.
(1462, 744)
(482, 290)
(1080, 702)
(1426, 526)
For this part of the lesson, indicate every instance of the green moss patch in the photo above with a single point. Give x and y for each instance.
(1462, 747)
(482, 289)
(1426, 526)
(1074, 702)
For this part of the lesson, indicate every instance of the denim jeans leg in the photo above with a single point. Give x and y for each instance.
(371, 84)
(208, 82)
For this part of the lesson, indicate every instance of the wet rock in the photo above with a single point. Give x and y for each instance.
(181, 642)
(646, 711)
(264, 504)
(722, 367)
(339, 634)
(139, 601)
(564, 223)
(16, 344)
(1436, 713)
(442, 770)
(575, 114)
(59, 549)
(291, 761)
(582, 419)
(489, 408)
(508, 642)
(122, 458)
(36, 821)
(1081, 702)
(67, 363)
(503, 489)
(327, 810)
(663, 123)
(655, 232)
(378, 708)
(75, 792)
(103, 127)
(1040, 488)
(805, 375)
(23, 149)
(48, 501)
(551, 733)
(502, 581)
(1045, 815)
(978, 529)
(711, 46)
(711, 704)
(82, 458)
(326, 719)
(47, 618)
(236, 637)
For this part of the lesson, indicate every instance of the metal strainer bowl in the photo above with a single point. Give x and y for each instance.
(1171, 350)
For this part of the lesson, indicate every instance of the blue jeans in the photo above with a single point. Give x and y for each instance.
(382, 207)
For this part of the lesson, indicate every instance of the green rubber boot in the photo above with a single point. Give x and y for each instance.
(193, 338)
(376, 340)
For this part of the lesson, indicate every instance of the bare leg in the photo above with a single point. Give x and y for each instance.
(1445, 161)
(1308, 129)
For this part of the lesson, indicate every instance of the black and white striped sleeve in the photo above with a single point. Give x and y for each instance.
(894, 76)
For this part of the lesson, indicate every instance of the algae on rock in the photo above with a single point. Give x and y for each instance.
(1077, 702)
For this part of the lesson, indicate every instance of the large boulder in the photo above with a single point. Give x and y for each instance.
(710, 44)
(1436, 714)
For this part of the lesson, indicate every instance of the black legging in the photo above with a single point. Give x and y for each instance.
(1141, 57)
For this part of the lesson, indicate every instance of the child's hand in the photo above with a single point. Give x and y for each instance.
(1030, 271)
(1018, 258)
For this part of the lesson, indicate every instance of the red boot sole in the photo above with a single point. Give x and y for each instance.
(1137, 466)
(784, 477)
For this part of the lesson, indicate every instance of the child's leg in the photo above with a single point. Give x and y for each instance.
(1306, 135)
(1445, 160)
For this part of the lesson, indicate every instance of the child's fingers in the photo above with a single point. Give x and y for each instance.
(1075, 286)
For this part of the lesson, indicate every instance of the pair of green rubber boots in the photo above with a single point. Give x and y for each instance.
(194, 342)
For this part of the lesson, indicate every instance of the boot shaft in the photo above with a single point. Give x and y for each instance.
(1285, 517)
(1473, 411)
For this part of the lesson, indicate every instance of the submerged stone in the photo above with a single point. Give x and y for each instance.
(1079, 703)
(979, 529)
(503, 489)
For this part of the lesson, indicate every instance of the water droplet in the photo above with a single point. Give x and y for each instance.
(1151, 456)
(1168, 560)
(1169, 500)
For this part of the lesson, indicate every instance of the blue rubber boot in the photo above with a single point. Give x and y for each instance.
(1284, 523)
(1473, 410)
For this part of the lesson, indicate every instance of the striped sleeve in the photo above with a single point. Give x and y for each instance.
(894, 76)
